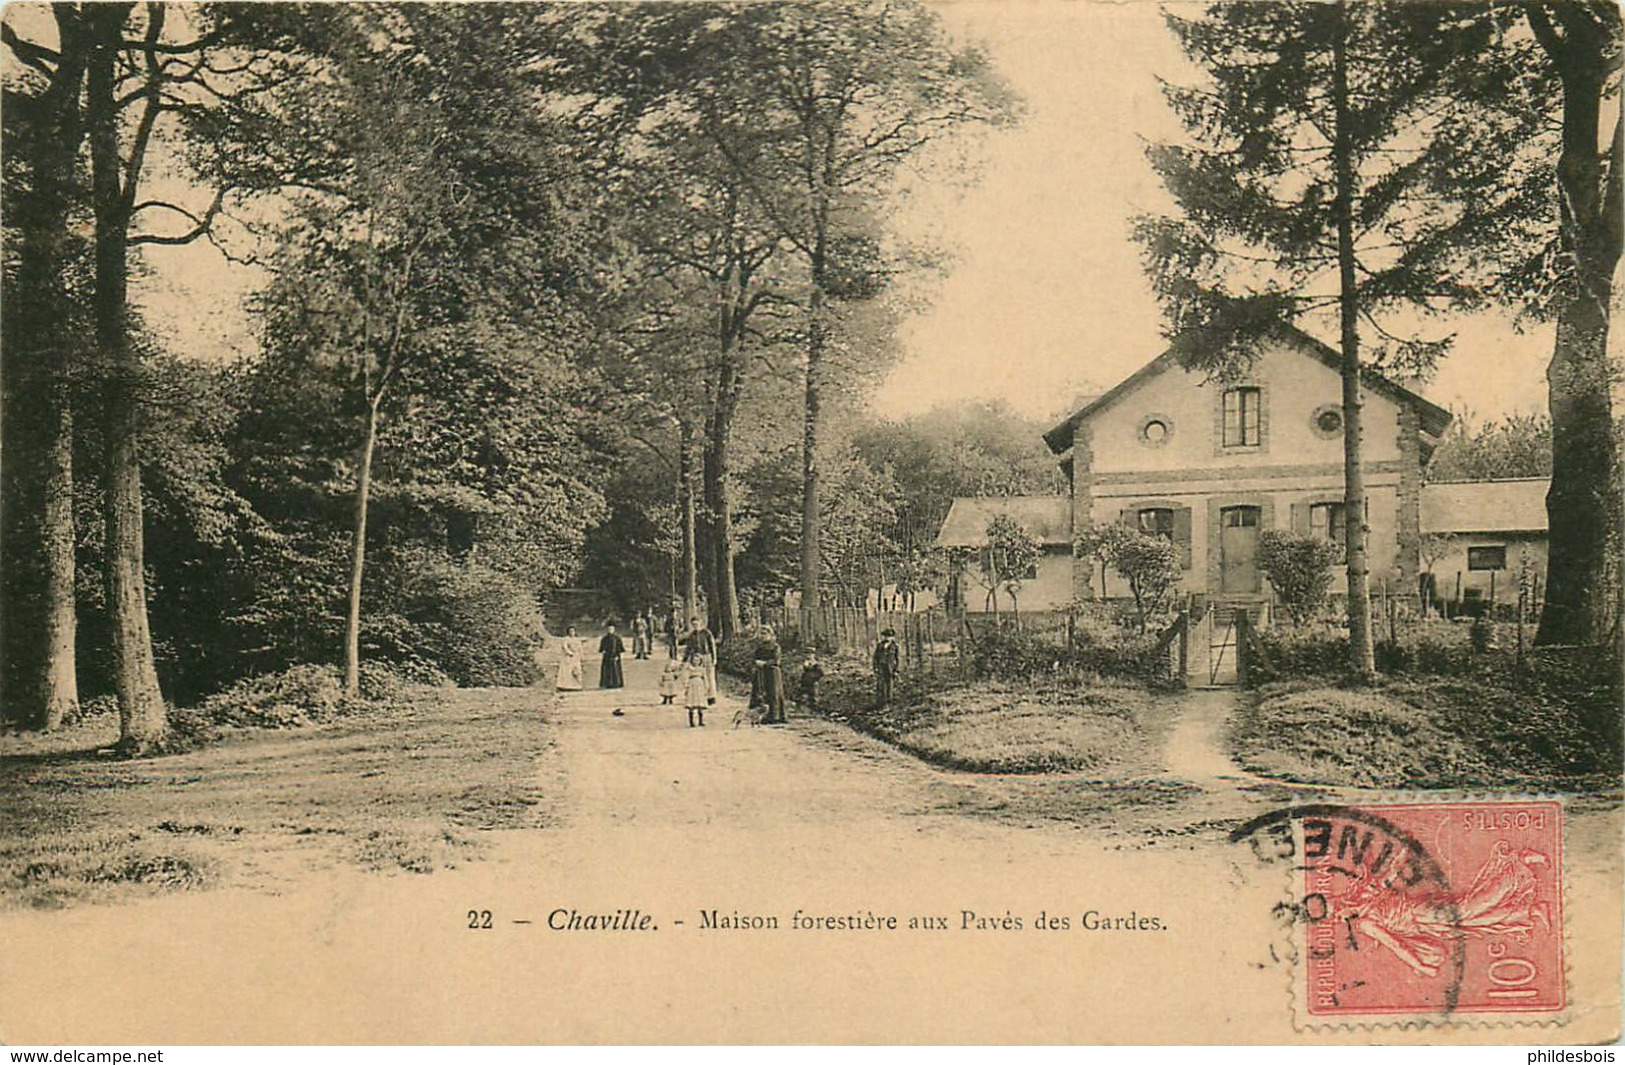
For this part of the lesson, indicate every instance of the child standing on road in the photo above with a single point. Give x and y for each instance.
(696, 693)
(671, 682)
(811, 674)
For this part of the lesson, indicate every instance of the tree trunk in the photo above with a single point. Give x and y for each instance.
(59, 685)
(142, 717)
(685, 482)
(811, 497)
(1583, 503)
(358, 550)
(1362, 658)
(724, 604)
(42, 296)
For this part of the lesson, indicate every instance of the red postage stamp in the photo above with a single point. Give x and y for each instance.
(1433, 909)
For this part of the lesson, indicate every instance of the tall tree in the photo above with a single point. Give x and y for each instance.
(439, 230)
(850, 90)
(150, 71)
(42, 340)
(1326, 170)
(1581, 41)
(668, 110)
(118, 158)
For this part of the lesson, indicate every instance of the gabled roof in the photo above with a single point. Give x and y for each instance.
(1485, 506)
(1047, 518)
(1434, 419)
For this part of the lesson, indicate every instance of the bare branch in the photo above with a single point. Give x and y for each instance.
(35, 55)
(200, 226)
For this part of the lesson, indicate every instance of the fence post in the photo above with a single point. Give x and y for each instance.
(1243, 648)
(930, 639)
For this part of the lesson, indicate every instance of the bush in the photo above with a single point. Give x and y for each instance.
(473, 624)
(289, 698)
(1300, 571)
(1278, 654)
(1150, 564)
(1108, 651)
(1424, 732)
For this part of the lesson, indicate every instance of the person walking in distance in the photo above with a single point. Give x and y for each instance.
(640, 637)
(769, 678)
(569, 677)
(611, 647)
(700, 648)
(888, 660)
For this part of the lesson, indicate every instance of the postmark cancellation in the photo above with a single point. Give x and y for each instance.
(1420, 913)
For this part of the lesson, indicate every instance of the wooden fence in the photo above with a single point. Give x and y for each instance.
(930, 641)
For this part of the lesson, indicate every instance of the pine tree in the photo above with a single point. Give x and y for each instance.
(1329, 169)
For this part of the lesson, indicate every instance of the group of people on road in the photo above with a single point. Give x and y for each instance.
(691, 668)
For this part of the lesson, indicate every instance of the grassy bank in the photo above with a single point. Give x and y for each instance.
(1433, 732)
(991, 726)
(405, 785)
(995, 727)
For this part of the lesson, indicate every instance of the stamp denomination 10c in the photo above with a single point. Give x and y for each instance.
(1424, 910)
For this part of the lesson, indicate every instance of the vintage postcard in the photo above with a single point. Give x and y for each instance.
(836, 522)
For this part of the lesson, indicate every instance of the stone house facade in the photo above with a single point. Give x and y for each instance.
(1214, 464)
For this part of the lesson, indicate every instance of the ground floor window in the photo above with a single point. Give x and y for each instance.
(1482, 558)
(1326, 523)
(1157, 521)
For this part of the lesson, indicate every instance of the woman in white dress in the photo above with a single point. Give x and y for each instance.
(570, 662)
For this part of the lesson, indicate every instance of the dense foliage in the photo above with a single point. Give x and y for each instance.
(534, 295)
(1299, 569)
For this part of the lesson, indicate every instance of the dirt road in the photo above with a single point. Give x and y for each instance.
(665, 832)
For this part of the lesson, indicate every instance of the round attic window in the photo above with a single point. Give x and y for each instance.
(1155, 430)
(1329, 421)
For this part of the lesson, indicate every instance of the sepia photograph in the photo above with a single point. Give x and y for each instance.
(834, 522)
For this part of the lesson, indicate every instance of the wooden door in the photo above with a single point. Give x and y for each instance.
(1238, 550)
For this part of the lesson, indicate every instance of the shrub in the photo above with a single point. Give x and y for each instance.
(1278, 654)
(1299, 569)
(288, 698)
(1105, 651)
(1150, 564)
(465, 621)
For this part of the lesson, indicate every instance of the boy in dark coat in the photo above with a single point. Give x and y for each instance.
(888, 660)
(811, 674)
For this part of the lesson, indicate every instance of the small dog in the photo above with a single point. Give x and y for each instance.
(751, 715)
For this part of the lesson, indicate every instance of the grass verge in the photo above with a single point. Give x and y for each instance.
(1415, 733)
(407, 785)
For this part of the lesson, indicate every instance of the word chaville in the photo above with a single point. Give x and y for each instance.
(573, 920)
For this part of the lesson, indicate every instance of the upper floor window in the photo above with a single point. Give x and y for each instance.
(1482, 558)
(1157, 521)
(1241, 417)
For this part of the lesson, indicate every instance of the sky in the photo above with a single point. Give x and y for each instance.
(1045, 300)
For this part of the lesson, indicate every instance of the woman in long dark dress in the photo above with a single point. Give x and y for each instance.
(769, 678)
(609, 670)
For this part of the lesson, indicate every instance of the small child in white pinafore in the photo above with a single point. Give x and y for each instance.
(671, 682)
(696, 693)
